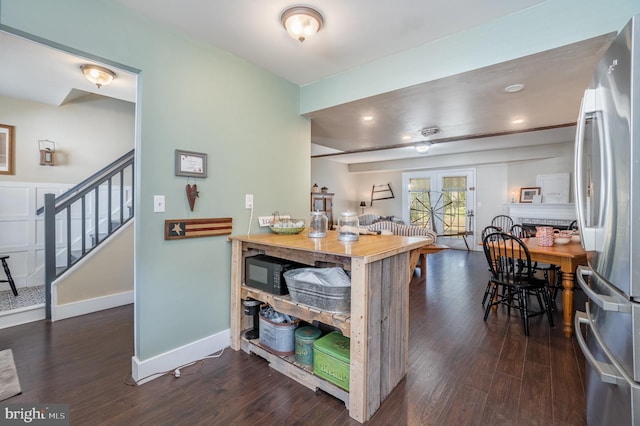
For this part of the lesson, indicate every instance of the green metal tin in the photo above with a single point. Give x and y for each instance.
(305, 336)
(331, 357)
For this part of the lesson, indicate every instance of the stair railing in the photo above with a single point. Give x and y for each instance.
(93, 209)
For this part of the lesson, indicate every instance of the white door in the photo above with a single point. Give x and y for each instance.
(441, 200)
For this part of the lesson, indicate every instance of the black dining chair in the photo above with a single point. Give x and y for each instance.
(486, 231)
(513, 280)
(7, 272)
(503, 222)
(552, 273)
(518, 231)
(490, 230)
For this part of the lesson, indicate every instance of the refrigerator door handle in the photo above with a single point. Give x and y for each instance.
(579, 143)
(587, 106)
(606, 303)
(608, 373)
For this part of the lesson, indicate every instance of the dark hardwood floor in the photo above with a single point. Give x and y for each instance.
(462, 370)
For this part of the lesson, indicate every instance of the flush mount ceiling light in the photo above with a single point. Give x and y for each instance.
(514, 88)
(423, 147)
(301, 22)
(100, 76)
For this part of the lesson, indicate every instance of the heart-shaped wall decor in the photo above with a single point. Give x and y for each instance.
(192, 194)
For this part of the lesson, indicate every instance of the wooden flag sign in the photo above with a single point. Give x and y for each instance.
(175, 229)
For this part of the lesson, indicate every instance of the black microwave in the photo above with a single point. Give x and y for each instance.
(266, 273)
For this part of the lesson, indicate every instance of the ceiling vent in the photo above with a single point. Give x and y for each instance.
(430, 131)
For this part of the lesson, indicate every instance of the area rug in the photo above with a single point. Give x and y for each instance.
(9, 383)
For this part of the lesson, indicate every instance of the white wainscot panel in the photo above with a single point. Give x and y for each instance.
(39, 237)
(15, 233)
(37, 275)
(61, 230)
(15, 201)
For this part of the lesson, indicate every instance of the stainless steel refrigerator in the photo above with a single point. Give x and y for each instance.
(607, 193)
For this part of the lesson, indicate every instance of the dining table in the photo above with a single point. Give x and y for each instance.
(568, 257)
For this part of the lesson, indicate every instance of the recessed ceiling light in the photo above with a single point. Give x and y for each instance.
(367, 118)
(514, 88)
(406, 137)
(518, 121)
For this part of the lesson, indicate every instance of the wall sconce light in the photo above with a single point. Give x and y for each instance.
(100, 76)
(301, 22)
(423, 147)
(47, 152)
(363, 205)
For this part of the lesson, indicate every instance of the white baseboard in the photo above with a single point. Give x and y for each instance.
(21, 316)
(69, 310)
(152, 368)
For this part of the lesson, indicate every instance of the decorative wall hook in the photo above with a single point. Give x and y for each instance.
(192, 194)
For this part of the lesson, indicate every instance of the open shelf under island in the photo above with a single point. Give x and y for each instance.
(381, 267)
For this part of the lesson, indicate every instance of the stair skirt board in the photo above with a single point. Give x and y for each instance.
(83, 307)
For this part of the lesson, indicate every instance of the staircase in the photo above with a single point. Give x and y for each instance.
(78, 221)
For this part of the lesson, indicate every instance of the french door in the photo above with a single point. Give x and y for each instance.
(442, 201)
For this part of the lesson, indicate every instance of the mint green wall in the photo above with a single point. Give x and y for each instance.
(548, 25)
(196, 98)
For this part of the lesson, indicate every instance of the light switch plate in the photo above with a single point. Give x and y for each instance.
(158, 204)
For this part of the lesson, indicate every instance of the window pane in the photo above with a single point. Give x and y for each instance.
(419, 203)
(455, 206)
(454, 183)
(421, 184)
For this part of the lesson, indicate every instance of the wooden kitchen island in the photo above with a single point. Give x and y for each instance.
(381, 267)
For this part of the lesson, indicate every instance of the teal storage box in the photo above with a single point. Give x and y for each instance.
(305, 336)
(331, 356)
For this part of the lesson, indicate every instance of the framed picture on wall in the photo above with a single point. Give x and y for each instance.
(7, 147)
(527, 194)
(191, 164)
(554, 188)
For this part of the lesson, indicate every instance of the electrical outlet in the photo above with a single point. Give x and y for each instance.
(248, 201)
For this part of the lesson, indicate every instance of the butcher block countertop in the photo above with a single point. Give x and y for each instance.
(368, 247)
